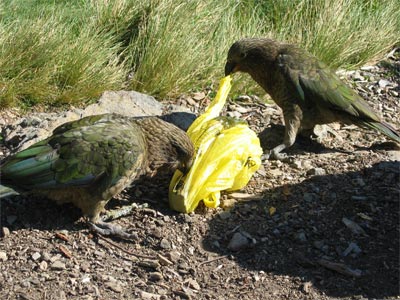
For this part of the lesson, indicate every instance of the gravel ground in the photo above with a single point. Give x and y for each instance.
(322, 225)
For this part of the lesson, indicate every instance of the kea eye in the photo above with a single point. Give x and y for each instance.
(242, 55)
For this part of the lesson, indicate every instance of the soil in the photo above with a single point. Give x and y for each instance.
(323, 224)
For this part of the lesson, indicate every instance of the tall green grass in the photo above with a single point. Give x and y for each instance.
(56, 52)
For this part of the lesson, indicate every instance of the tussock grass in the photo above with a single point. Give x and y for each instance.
(56, 52)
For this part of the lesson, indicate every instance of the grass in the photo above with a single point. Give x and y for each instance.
(63, 52)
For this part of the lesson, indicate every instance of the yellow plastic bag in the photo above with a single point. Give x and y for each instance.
(228, 153)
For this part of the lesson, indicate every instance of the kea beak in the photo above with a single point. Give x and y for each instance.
(230, 68)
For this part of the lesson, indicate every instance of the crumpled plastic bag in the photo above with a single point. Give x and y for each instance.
(227, 154)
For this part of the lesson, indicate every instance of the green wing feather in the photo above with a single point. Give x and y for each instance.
(94, 151)
(317, 85)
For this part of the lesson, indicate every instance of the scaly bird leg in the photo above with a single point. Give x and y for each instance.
(120, 212)
(292, 125)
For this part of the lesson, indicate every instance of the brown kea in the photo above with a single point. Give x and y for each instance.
(307, 91)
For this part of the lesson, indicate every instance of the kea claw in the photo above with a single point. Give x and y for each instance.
(108, 229)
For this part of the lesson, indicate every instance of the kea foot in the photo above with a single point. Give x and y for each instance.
(108, 229)
(275, 154)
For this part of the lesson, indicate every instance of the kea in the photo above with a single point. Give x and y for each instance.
(88, 161)
(306, 90)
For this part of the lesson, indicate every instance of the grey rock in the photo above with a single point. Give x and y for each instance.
(58, 265)
(353, 247)
(316, 172)
(238, 242)
(301, 237)
(3, 256)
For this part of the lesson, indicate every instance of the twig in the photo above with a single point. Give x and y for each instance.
(212, 260)
(124, 250)
(340, 268)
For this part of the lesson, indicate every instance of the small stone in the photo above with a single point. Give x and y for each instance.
(58, 265)
(155, 276)
(85, 279)
(301, 237)
(192, 283)
(353, 247)
(316, 172)
(3, 256)
(36, 256)
(149, 263)
(384, 83)
(353, 226)
(43, 265)
(85, 267)
(306, 287)
(6, 231)
(358, 198)
(224, 215)
(46, 256)
(309, 197)
(297, 164)
(238, 242)
(165, 244)
(174, 255)
(114, 286)
(199, 96)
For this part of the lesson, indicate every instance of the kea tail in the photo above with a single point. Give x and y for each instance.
(384, 128)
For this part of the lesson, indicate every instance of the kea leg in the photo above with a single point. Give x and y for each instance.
(120, 212)
(292, 125)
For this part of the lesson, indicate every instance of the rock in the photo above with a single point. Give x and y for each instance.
(43, 265)
(384, 83)
(149, 263)
(353, 247)
(165, 244)
(155, 276)
(58, 265)
(353, 226)
(114, 286)
(224, 215)
(316, 172)
(301, 237)
(36, 256)
(174, 255)
(238, 242)
(5, 231)
(127, 103)
(149, 296)
(3, 256)
(309, 197)
(199, 96)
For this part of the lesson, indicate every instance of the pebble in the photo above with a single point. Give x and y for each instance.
(43, 265)
(35, 256)
(165, 244)
(3, 256)
(174, 255)
(58, 265)
(316, 172)
(353, 247)
(301, 237)
(353, 226)
(155, 276)
(384, 83)
(309, 197)
(238, 242)
(114, 286)
(6, 231)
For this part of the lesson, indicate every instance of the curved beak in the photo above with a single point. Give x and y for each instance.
(230, 67)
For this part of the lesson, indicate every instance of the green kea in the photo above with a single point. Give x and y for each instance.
(90, 160)
(307, 91)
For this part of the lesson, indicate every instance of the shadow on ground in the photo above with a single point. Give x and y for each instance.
(308, 226)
